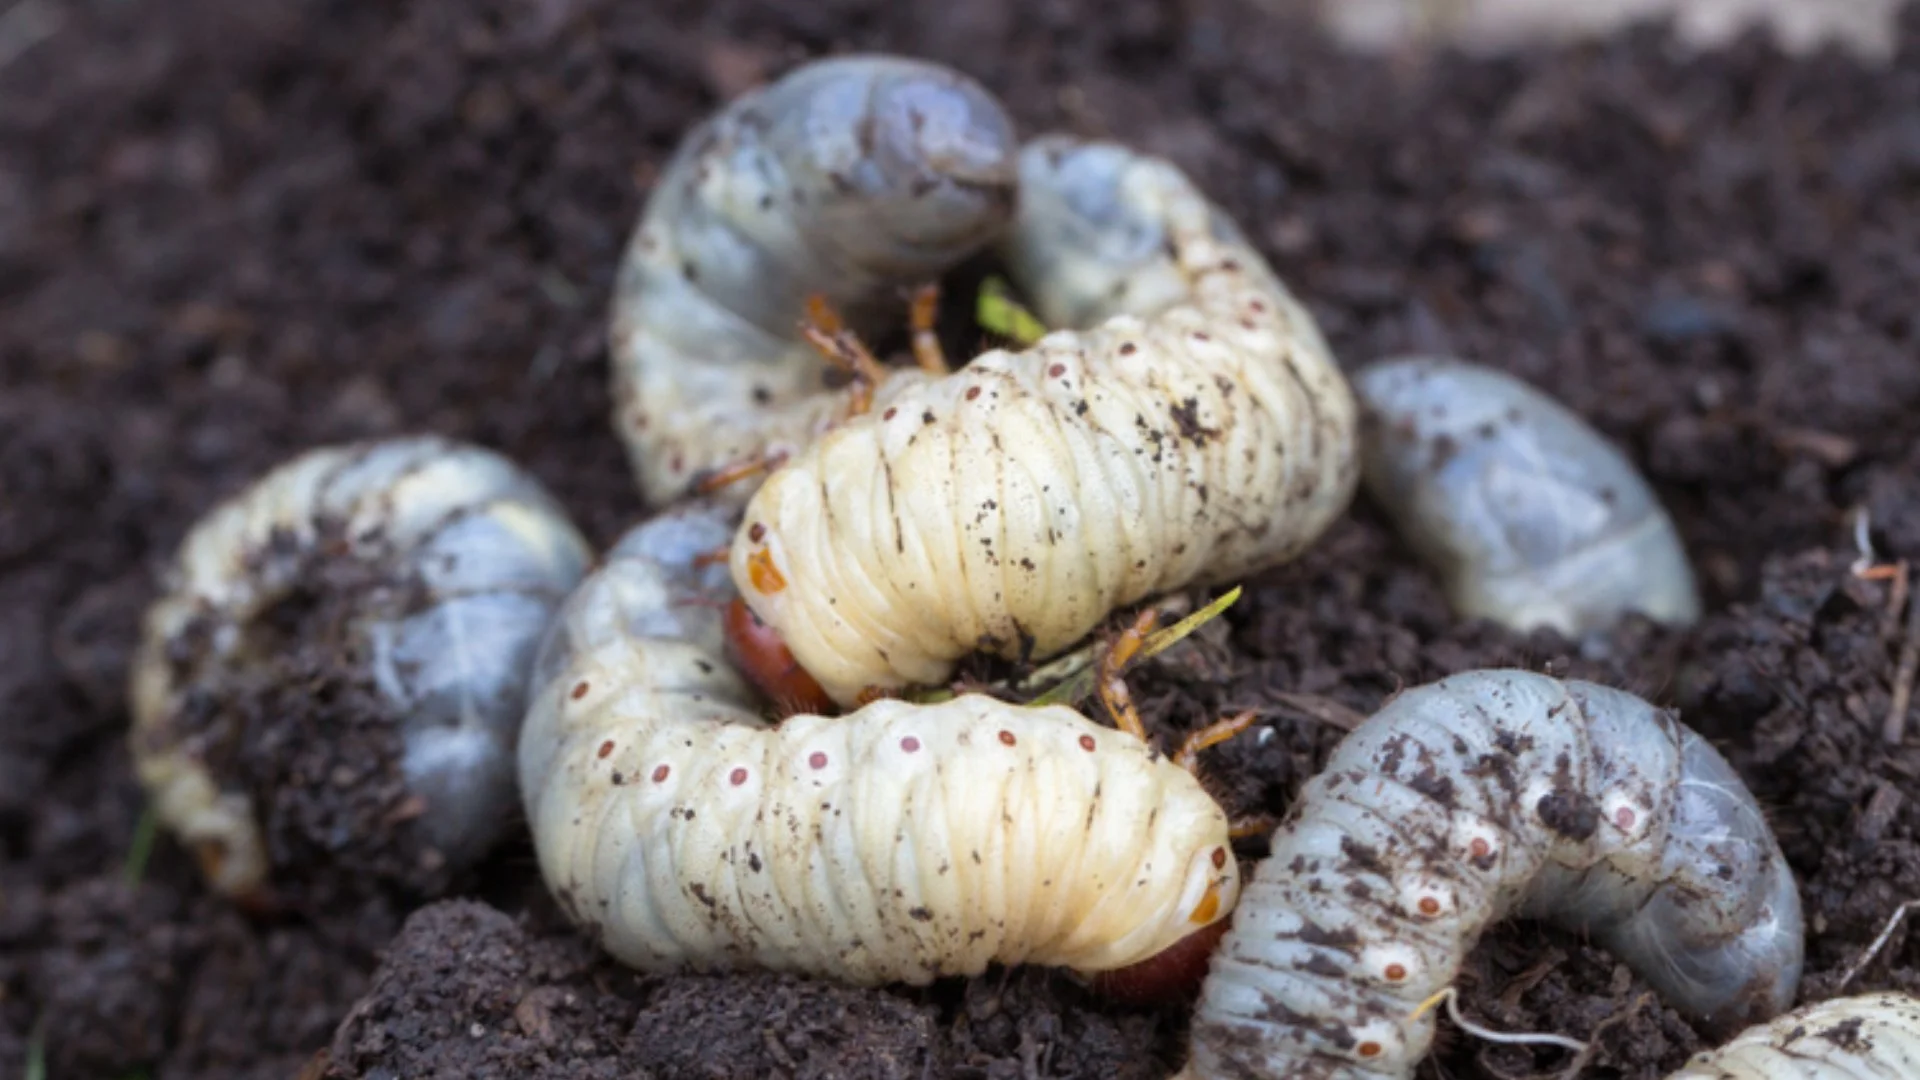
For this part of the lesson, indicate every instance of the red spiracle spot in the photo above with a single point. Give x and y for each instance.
(910, 744)
(1087, 743)
(1201, 335)
(1429, 906)
(660, 774)
(1219, 858)
(757, 533)
(580, 690)
(972, 392)
(1369, 1049)
(889, 414)
(764, 576)
(737, 777)
(1057, 370)
(1479, 849)
(817, 759)
(1396, 972)
(606, 748)
(1257, 305)
(1624, 818)
(1006, 737)
(1127, 348)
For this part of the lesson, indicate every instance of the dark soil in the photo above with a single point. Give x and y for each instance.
(232, 231)
(293, 720)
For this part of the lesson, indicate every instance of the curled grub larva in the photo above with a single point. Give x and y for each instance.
(1868, 1037)
(1530, 516)
(849, 178)
(463, 560)
(1484, 795)
(1200, 432)
(898, 843)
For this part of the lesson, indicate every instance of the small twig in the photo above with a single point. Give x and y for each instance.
(1895, 729)
(141, 849)
(1896, 601)
(1833, 451)
(1078, 686)
(1593, 1041)
(37, 1050)
(1522, 984)
(1886, 934)
(1451, 998)
(1325, 710)
(1863, 558)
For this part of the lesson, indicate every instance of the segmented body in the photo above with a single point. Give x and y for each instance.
(851, 178)
(1868, 1037)
(898, 843)
(1485, 795)
(1201, 431)
(1530, 516)
(470, 558)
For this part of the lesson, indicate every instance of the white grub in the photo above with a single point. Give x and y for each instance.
(1199, 432)
(473, 557)
(1531, 518)
(1482, 796)
(851, 178)
(1867, 1037)
(899, 843)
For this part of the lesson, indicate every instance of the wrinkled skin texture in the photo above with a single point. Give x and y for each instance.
(1485, 795)
(1868, 1037)
(1201, 431)
(471, 557)
(1530, 516)
(898, 843)
(851, 177)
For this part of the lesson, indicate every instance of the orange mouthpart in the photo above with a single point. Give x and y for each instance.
(1208, 908)
(763, 574)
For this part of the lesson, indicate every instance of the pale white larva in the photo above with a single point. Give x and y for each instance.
(1480, 796)
(1199, 433)
(1866, 1037)
(1531, 517)
(849, 178)
(466, 559)
(898, 843)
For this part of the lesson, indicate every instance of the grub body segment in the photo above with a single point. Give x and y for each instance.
(852, 178)
(1483, 796)
(1198, 430)
(1872, 1036)
(1531, 517)
(898, 843)
(466, 556)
